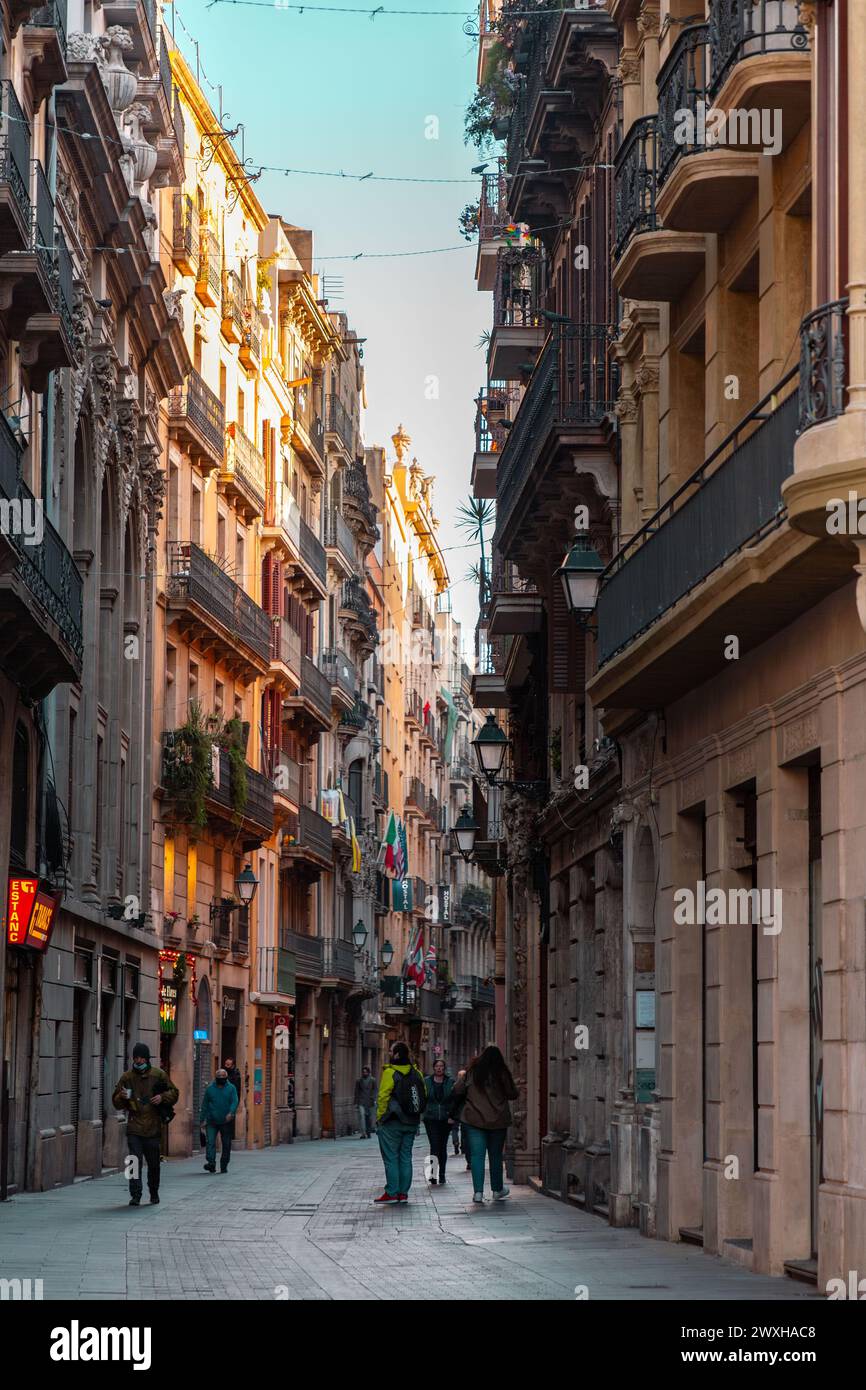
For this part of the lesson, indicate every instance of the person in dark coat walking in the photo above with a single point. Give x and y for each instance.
(437, 1117)
(234, 1077)
(141, 1092)
(365, 1099)
(218, 1106)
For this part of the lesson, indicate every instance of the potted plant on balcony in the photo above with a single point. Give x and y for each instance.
(193, 925)
(187, 767)
(234, 739)
(172, 927)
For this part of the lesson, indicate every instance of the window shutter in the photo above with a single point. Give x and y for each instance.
(566, 647)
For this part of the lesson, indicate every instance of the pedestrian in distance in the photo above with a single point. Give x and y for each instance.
(488, 1086)
(365, 1100)
(218, 1107)
(147, 1095)
(234, 1077)
(402, 1098)
(437, 1118)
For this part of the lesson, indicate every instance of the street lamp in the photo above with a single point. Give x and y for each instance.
(490, 746)
(246, 883)
(359, 936)
(386, 955)
(464, 832)
(580, 573)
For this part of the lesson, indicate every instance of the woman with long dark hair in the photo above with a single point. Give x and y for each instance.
(488, 1086)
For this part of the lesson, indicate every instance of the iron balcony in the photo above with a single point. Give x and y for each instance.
(309, 842)
(307, 952)
(40, 588)
(208, 606)
(197, 422)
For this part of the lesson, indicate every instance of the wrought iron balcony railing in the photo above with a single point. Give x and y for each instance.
(195, 575)
(356, 492)
(518, 291)
(682, 87)
(339, 422)
(51, 16)
(339, 536)
(575, 382)
(358, 716)
(275, 971)
(15, 161)
(43, 224)
(356, 600)
(285, 644)
(740, 29)
(313, 552)
(185, 240)
(315, 832)
(728, 502)
(315, 687)
(209, 276)
(307, 951)
(47, 569)
(196, 402)
(233, 306)
(341, 671)
(822, 363)
(634, 182)
(247, 463)
(492, 212)
(338, 960)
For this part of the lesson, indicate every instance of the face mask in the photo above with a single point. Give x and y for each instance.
(141, 1066)
(220, 1081)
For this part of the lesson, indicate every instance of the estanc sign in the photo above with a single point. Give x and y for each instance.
(31, 911)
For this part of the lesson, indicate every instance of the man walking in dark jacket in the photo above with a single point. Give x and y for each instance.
(218, 1106)
(365, 1099)
(234, 1077)
(141, 1092)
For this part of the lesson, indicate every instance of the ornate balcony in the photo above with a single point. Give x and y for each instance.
(701, 187)
(243, 812)
(250, 353)
(416, 799)
(211, 610)
(515, 604)
(209, 274)
(308, 843)
(343, 675)
(311, 704)
(232, 307)
(358, 507)
(308, 430)
(718, 557)
(15, 209)
(491, 432)
(340, 544)
(313, 568)
(307, 953)
(242, 479)
(40, 586)
(822, 364)
(760, 59)
(356, 610)
(565, 408)
(338, 962)
(275, 975)
(185, 238)
(340, 431)
(288, 782)
(651, 263)
(44, 38)
(197, 422)
(492, 221)
(519, 329)
(286, 652)
(37, 284)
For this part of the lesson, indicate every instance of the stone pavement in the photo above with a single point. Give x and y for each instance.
(296, 1222)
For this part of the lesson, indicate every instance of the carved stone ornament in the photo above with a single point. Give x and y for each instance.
(626, 406)
(87, 48)
(648, 19)
(120, 84)
(173, 301)
(628, 68)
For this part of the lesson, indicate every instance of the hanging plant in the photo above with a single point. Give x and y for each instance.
(468, 221)
(187, 767)
(233, 741)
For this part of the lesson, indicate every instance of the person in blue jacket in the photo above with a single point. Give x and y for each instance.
(437, 1118)
(218, 1107)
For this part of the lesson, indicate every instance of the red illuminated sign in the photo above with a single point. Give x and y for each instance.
(31, 910)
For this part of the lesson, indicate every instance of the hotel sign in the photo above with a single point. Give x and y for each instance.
(31, 912)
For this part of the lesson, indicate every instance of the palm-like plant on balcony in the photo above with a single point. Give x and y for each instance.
(473, 518)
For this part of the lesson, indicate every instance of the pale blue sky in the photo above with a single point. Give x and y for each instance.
(328, 91)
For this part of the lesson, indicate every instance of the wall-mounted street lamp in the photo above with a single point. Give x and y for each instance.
(490, 747)
(386, 955)
(246, 884)
(464, 832)
(359, 936)
(580, 573)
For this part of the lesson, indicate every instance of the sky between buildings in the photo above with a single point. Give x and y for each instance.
(328, 91)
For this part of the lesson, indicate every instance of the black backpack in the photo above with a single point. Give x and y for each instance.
(408, 1099)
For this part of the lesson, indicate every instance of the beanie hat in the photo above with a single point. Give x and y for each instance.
(141, 1050)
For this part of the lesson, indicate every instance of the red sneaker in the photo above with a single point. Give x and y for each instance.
(386, 1197)
(402, 1196)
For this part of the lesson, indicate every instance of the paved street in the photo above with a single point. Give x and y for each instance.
(297, 1222)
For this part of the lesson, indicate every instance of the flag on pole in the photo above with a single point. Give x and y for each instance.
(401, 852)
(430, 964)
(386, 856)
(356, 848)
(415, 969)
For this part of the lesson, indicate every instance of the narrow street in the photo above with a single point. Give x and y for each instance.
(296, 1222)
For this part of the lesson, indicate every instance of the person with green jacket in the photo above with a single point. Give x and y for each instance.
(437, 1118)
(402, 1098)
(218, 1106)
(141, 1092)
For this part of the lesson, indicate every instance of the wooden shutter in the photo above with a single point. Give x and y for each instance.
(566, 650)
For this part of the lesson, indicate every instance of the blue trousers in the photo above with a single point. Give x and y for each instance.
(488, 1143)
(225, 1133)
(395, 1144)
